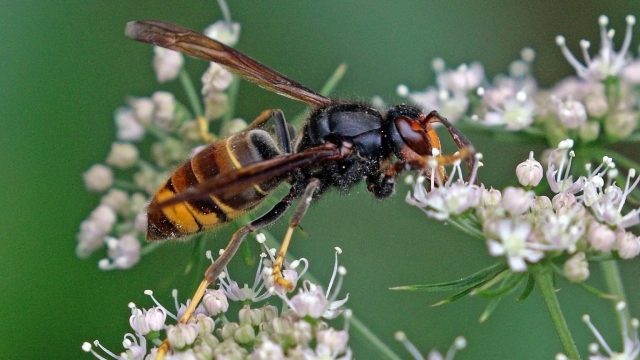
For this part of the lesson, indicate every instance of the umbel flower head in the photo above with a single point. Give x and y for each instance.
(128, 177)
(259, 330)
(585, 215)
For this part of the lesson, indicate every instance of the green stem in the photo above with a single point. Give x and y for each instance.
(544, 278)
(614, 285)
(191, 92)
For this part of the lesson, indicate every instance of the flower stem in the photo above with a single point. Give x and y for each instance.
(544, 278)
(192, 95)
(614, 286)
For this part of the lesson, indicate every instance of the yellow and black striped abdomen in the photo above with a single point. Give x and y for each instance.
(189, 217)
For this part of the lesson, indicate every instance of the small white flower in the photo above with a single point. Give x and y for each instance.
(128, 127)
(451, 198)
(627, 244)
(215, 79)
(512, 241)
(123, 252)
(609, 202)
(268, 350)
(491, 197)
(98, 178)
(165, 106)
(516, 113)
(463, 79)
(122, 155)
(94, 229)
(116, 199)
(516, 200)
(601, 237)
(215, 302)
(607, 62)
(166, 63)
(224, 31)
(571, 113)
(181, 335)
(576, 269)
(142, 110)
(529, 172)
(312, 301)
(155, 318)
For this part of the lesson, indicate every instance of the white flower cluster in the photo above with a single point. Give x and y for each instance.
(584, 216)
(600, 103)
(256, 332)
(126, 178)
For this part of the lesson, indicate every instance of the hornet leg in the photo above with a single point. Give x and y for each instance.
(303, 205)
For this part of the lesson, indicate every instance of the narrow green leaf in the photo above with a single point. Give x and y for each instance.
(472, 281)
(510, 282)
(597, 292)
(528, 289)
(491, 307)
(334, 79)
(453, 298)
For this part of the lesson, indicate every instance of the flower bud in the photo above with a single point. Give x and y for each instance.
(128, 128)
(165, 107)
(576, 269)
(166, 63)
(589, 131)
(516, 200)
(529, 172)
(270, 312)
(138, 322)
(142, 110)
(226, 32)
(116, 199)
(627, 244)
(205, 324)
(571, 113)
(620, 125)
(541, 204)
(596, 104)
(601, 237)
(182, 335)
(334, 340)
(122, 155)
(563, 202)
(244, 334)
(155, 318)
(491, 197)
(215, 302)
(228, 330)
(248, 316)
(98, 178)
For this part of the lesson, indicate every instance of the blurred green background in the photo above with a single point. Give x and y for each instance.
(66, 66)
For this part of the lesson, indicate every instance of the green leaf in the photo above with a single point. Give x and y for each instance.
(469, 283)
(528, 289)
(510, 282)
(454, 297)
(597, 292)
(491, 307)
